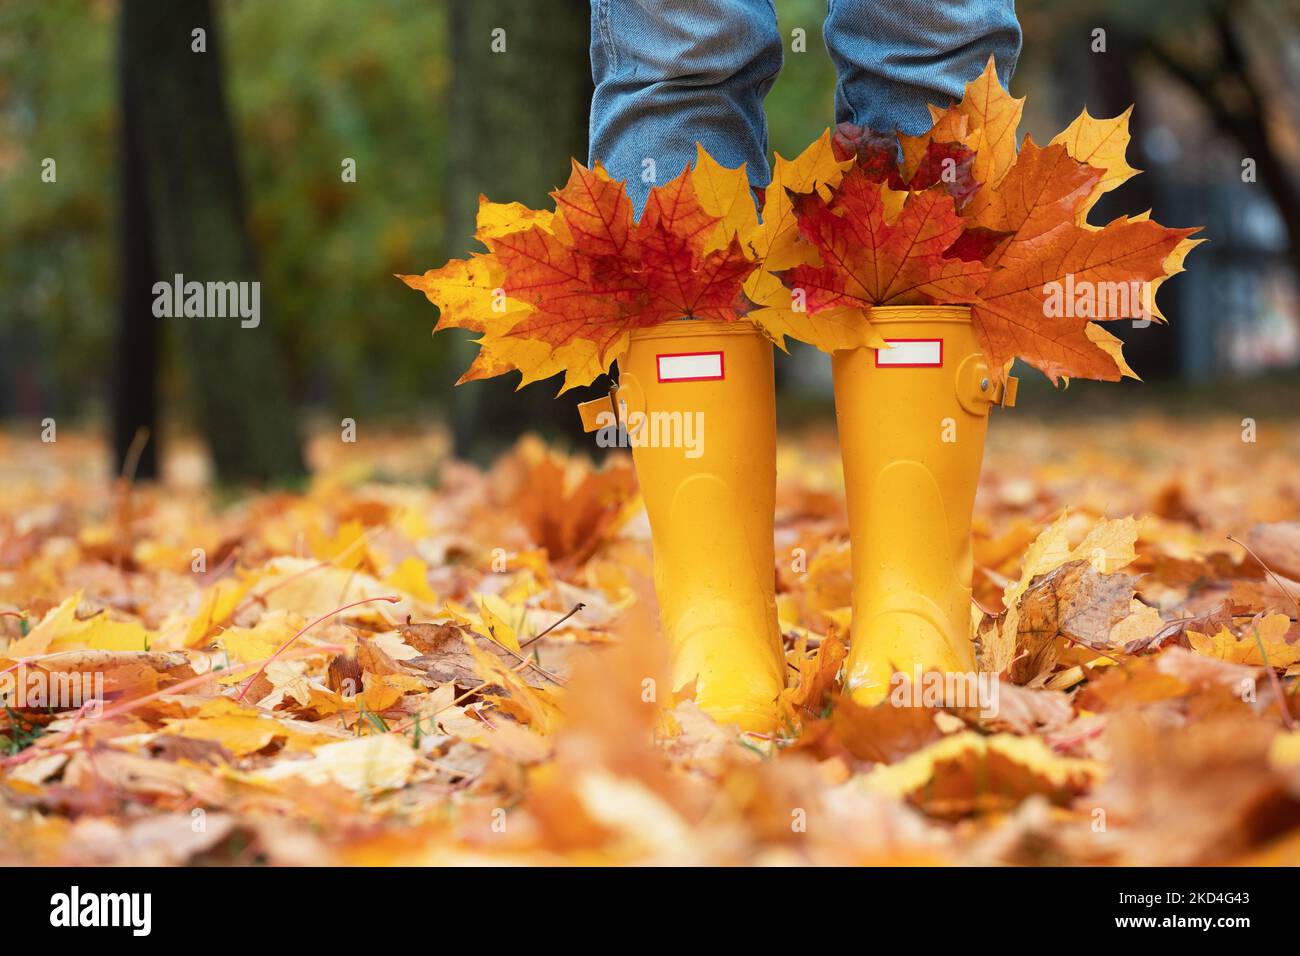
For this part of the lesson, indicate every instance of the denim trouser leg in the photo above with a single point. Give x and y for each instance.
(669, 73)
(893, 57)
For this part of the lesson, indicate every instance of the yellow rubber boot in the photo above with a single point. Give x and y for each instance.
(912, 421)
(698, 402)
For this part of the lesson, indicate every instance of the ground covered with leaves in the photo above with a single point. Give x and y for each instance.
(388, 667)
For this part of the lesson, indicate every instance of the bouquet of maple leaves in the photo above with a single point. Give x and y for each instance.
(963, 217)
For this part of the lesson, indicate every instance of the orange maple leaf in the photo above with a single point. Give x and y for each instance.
(992, 118)
(1027, 222)
(1040, 192)
(1013, 314)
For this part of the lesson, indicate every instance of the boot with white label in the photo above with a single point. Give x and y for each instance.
(912, 420)
(697, 399)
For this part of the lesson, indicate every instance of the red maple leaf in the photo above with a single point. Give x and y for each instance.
(868, 260)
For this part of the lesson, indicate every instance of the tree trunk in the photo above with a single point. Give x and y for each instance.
(517, 117)
(137, 335)
(182, 189)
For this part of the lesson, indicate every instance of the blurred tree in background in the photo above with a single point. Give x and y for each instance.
(1237, 59)
(1215, 85)
(520, 98)
(308, 85)
(56, 251)
(182, 214)
(313, 84)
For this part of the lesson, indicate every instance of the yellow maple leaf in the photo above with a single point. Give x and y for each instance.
(534, 706)
(775, 241)
(243, 729)
(384, 690)
(814, 169)
(828, 330)
(468, 294)
(777, 246)
(726, 194)
(893, 201)
(1102, 144)
(496, 219)
(1113, 346)
(374, 763)
(1141, 623)
(345, 549)
(967, 771)
(993, 117)
(1284, 749)
(412, 576)
(60, 630)
(215, 607)
(1263, 643)
(305, 587)
(1109, 545)
(493, 612)
(57, 620)
(579, 360)
(101, 633)
(259, 642)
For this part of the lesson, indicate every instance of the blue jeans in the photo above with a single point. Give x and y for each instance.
(669, 73)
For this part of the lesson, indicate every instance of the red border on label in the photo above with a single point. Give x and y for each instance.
(722, 367)
(938, 364)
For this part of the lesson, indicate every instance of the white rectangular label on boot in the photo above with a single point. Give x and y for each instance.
(911, 353)
(690, 367)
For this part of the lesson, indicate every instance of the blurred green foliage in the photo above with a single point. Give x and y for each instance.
(802, 103)
(56, 101)
(309, 84)
(314, 83)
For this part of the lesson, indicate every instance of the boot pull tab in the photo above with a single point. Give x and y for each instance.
(1008, 390)
(624, 397)
(592, 412)
(978, 391)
